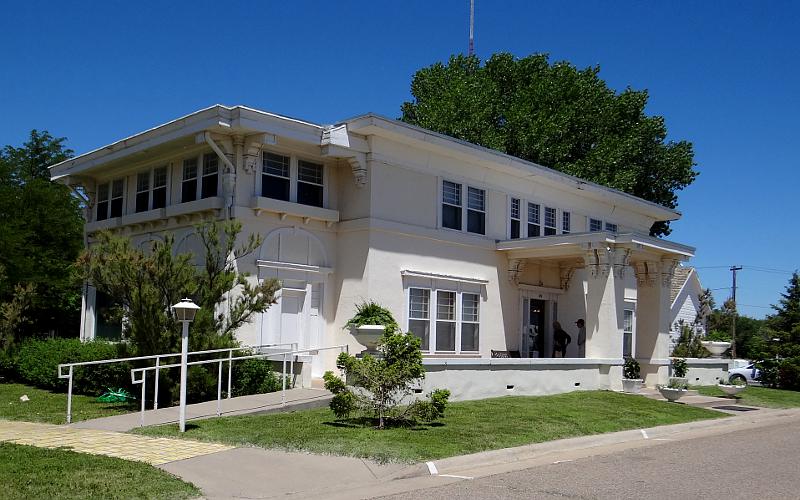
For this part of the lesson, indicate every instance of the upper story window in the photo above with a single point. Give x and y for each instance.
(151, 189)
(566, 222)
(514, 227)
(451, 324)
(281, 180)
(200, 183)
(611, 228)
(110, 199)
(534, 221)
(595, 225)
(549, 221)
(453, 207)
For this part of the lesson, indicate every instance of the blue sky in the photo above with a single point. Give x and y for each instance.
(724, 74)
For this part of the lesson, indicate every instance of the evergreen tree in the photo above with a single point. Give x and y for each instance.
(787, 311)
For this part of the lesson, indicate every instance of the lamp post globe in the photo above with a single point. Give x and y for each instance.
(185, 311)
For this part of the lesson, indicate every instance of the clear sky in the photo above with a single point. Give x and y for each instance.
(724, 74)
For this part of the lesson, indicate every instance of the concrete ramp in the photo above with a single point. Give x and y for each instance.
(296, 399)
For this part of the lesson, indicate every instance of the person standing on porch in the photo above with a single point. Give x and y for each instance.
(561, 340)
(581, 337)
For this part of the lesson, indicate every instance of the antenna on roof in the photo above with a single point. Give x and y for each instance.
(471, 50)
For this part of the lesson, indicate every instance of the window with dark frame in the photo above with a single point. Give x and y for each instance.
(275, 178)
(189, 183)
(102, 201)
(514, 228)
(210, 179)
(143, 191)
(117, 198)
(309, 183)
(159, 187)
(611, 228)
(595, 225)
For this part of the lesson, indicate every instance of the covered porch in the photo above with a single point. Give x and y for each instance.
(619, 284)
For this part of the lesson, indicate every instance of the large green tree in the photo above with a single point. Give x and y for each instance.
(556, 115)
(41, 234)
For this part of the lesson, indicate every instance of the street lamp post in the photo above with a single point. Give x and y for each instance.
(184, 312)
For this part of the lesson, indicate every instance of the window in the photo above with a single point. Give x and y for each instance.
(309, 183)
(627, 333)
(549, 221)
(534, 228)
(419, 315)
(515, 221)
(595, 225)
(117, 194)
(275, 177)
(451, 205)
(476, 210)
(566, 222)
(445, 321)
(102, 202)
(469, 321)
(144, 200)
(611, 228)
(454, 328)
(189, 184)
(210, 176)
(110, 197)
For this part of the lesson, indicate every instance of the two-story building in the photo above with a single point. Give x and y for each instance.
(476, 252)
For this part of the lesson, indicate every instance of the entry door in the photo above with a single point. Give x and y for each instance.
(534, 334)
(291, 308)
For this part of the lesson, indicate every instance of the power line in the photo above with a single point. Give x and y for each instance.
(751, 305)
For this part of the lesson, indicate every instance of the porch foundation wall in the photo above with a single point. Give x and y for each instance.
(490, 378)
(703, 371)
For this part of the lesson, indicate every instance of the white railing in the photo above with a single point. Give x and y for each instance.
(157, 358)
(293, 353)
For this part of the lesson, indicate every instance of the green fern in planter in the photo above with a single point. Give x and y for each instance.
(372, 313)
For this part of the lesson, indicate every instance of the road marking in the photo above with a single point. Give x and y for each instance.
(561, 461)
(455, 476)
(644, 434)
(432, 468)
(662, 439)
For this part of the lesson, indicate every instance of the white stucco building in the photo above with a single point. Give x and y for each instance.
(685, 306)
(473, 250)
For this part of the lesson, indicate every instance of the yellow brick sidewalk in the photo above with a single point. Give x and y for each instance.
(154, 451)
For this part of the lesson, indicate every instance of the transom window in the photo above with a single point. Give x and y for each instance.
(454, 328)
(151, 189)
(110, 199)
(453, 207)
(282, 180)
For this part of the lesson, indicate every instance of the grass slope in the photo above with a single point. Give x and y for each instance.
(50, 407)
(468, 427)
(758, 396)
(27, 472)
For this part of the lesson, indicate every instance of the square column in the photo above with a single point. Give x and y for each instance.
(604, 292)
(653, 279)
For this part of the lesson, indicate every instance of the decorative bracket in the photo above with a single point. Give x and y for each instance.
(646, 273)
(565, 275)
(358, 165)
(515, 268)
(668, 271)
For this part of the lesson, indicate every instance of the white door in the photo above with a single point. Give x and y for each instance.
(291, 307)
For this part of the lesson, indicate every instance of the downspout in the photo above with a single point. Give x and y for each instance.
(228, 175)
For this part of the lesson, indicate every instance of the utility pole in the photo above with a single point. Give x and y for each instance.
(733, 318)
(471, 51)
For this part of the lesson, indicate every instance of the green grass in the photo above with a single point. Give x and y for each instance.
(758, 396)
(27, 473)
(468, 427)
(50, 407)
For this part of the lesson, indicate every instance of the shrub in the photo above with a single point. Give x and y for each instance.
(631, 369)
(679, 367)
(768, 369)
(254, 376)
(372, 313)
(718, 336)
(37, 364)
(789, 374)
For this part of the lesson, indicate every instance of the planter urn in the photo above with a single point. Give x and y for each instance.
(716, 348)
(730, 389)
(631, 385)
(369, 335)
(671, 394)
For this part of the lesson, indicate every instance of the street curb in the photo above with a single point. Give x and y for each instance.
(533, 451)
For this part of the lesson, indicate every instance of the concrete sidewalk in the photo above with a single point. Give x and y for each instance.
(296, 399)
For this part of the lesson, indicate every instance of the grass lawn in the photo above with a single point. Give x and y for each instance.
(758, 396)
(50, 407)
(468, 427)
(27, 472)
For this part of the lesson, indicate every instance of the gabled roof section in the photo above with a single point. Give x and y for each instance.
(371, 123)
(679, 281)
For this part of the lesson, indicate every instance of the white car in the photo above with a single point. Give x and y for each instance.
(748, 374)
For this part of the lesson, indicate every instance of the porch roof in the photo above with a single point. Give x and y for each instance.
(576, 245)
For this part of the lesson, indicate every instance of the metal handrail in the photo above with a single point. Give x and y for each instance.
(230, 359)
(157, 357)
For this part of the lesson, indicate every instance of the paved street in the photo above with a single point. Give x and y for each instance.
(755, 463)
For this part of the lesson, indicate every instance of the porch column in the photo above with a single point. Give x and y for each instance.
(653, 280)
(604, 294)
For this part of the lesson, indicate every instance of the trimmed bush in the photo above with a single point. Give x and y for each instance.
(37, 364)
(254, 376)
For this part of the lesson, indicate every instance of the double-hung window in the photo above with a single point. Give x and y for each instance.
(611, 228)
(453, 207)
(444, 320)
(627, 333)
(210, 179)
(189, 183)
(534, 220)
(549, 221)
(151, 189)
(595, 225)
(566, 222)
(309, 183)
(110, 199)
(514, 226)
(275, 177)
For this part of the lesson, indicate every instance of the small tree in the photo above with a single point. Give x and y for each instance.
(689, 343)
(381, 387)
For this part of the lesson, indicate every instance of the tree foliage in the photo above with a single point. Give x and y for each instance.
(145, 283)
(556, 115)
(41, 234)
